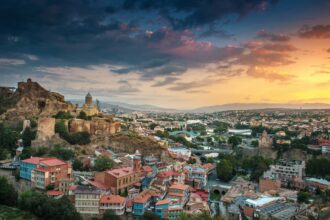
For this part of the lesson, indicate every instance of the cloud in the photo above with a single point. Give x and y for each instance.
(328, 50)
(264, 54)
(14, 62)
(318, 72)
(182, 14)
(317, 31)
(165, 82)
(31, 57)
(269, 74)
(192, 85)
(264, 35)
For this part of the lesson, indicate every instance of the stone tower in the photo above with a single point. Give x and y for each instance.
(137, 161)
(265, 141)
(89, 99)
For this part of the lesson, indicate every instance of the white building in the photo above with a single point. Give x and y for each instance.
(286, 170)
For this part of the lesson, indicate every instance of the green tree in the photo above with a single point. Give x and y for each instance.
(102, 163)
(77, 165)
(63, 115)
(8, 140)
(225, 170)
(148, 215)
(8, 194)
(47, 208)
(27, 136)
(303, 197)
(234, 140)
(62, 153)
(82, 115)
(152, 126)
(254, 143)
(110, 215)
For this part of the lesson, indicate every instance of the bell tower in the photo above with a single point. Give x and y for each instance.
(88, 99)
(137, 161)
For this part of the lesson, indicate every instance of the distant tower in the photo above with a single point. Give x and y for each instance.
(88, 99)
(137, 161)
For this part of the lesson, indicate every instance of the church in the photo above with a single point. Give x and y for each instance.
(89, 107)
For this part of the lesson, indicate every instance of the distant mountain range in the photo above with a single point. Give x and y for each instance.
(252, 106)
(209, 109)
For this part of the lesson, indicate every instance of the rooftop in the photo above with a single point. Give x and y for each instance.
(112, 199)
(120, 172)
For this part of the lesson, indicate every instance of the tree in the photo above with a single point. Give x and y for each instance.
(234, 140)
(77, 165)
(152, 126)
(303, 197)
(47, 208)
(102, 163)
(27, 136)
(254, 143)
(62, 153)
(8, 140)
(63, 115)
(225, 170)
(318, 167)
(8, 194)
(110, 215)
(148, 215)
(82, 115)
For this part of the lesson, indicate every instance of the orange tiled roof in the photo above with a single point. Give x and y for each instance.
(120, 172)
(49, 161)
(54, 193)
(145, 195)
(112, 199)
(175, 194)
(162, 202)
(179, 186)
(52, 162)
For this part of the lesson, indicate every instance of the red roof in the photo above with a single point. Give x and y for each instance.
(48, 161)
(33, 160)
(98, 185)
(145, 195)
(120, 172)
(112, 199)
(52, 162)
(162, 202)
(54, 193)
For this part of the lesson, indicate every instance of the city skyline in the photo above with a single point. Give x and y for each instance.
(175, 54)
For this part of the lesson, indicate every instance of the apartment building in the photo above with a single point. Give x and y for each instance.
(87, 201)
(112, 202)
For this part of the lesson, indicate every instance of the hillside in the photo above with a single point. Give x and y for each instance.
(30, 99)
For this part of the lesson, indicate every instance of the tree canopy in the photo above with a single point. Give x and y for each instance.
(102, 163)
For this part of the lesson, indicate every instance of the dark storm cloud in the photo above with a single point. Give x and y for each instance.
(84, 33)
(317, 31)
(187, 14)
(272, 36)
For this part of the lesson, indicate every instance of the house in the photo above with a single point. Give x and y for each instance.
(120, 180)
(112, 202)
(179, 193)
(143, 201)
(87, 201)
(43, 172)
(196, 175)
(162, 207)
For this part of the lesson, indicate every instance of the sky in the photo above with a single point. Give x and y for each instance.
(170, 53)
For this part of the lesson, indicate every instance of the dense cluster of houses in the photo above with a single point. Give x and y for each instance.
(167, 190)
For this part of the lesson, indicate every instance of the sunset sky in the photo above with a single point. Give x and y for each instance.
(170, 53)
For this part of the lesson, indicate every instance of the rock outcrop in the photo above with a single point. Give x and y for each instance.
(32, 100)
